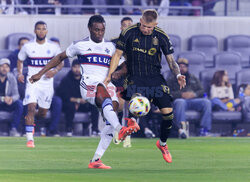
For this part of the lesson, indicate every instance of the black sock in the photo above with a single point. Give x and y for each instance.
(166, 125)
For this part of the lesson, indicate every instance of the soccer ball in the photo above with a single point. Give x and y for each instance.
(139, 106)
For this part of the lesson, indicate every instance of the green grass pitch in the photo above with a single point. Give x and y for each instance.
(66, 160)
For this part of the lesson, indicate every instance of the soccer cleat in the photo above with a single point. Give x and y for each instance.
(131, 128)
(165, 153)
(30, 144)
(98, 165)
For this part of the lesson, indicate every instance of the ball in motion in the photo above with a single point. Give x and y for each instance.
(139, 106)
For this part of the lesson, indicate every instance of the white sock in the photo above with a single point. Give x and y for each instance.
(106, 137)
(110, 115)
(162, 143)
(29, 136)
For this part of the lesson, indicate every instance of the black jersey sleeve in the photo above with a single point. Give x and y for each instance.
(122, 41)
(165, 43)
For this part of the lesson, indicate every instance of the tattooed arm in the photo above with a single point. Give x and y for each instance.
(174, 67)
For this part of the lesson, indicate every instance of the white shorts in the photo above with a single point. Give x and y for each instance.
(40, 94)
(88, 87)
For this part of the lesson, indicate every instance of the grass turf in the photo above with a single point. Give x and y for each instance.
(66, 159)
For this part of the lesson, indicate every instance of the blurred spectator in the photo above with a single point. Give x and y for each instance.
(7, 10)
(190, 98)
(207, 6)
(180, 3)
(244, 95)
(9, 95)
(114, 11)
(13, 56)
(75, 2)
(69, 91)
(221, 92)
(56, 40)
(164, 8)
(48, 10)
(102, 11)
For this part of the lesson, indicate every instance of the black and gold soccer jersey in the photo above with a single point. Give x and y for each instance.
(144, 51)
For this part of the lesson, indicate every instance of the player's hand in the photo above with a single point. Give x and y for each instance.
(8, 100)
(50, 73)
(35, 78)
(20, 78)
(107, 80)
(182, 81)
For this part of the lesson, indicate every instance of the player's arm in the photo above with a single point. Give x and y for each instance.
(118, 74)
(20, 76)
(174, 67)
(52, 64)
(113, 64)
(51, 73)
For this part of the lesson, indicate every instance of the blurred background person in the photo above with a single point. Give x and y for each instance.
(13, 57)
(221, 93)
(69, 92)
(9, 96)
(190, 98)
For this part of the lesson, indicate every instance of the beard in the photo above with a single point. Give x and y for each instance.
(40, 38)
(2, 74)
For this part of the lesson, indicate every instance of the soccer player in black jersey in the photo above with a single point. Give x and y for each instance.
(143, 44)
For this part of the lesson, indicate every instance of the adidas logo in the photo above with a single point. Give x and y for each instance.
(136, 40)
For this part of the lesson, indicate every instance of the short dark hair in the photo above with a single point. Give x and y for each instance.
(150, 15)
(95, 19)
(22, 38)
(40, 23)
(75, 62)
(126, 19)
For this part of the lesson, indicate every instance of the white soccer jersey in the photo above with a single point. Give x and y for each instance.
(94, 57)
(38, 56)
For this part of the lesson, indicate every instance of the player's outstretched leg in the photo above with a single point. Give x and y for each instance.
(104, 101)
(106, 137)
(166, 126)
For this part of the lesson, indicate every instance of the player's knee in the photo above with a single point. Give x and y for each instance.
(101, 94)
(41, 113)
(168, 117)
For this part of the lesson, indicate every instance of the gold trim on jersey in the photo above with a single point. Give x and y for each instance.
(136, 40)
(127, 29)
(161, 31)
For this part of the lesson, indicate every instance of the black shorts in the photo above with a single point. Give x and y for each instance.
(154, 88)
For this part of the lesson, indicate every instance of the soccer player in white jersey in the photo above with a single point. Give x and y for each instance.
(95, 54)
(39, 52)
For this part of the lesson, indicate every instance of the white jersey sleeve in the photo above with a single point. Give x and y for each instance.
(58, 50)
(22, 55)
(72, 50)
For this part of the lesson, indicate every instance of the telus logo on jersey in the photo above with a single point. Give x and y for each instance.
(95, 59)
(38, 62)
